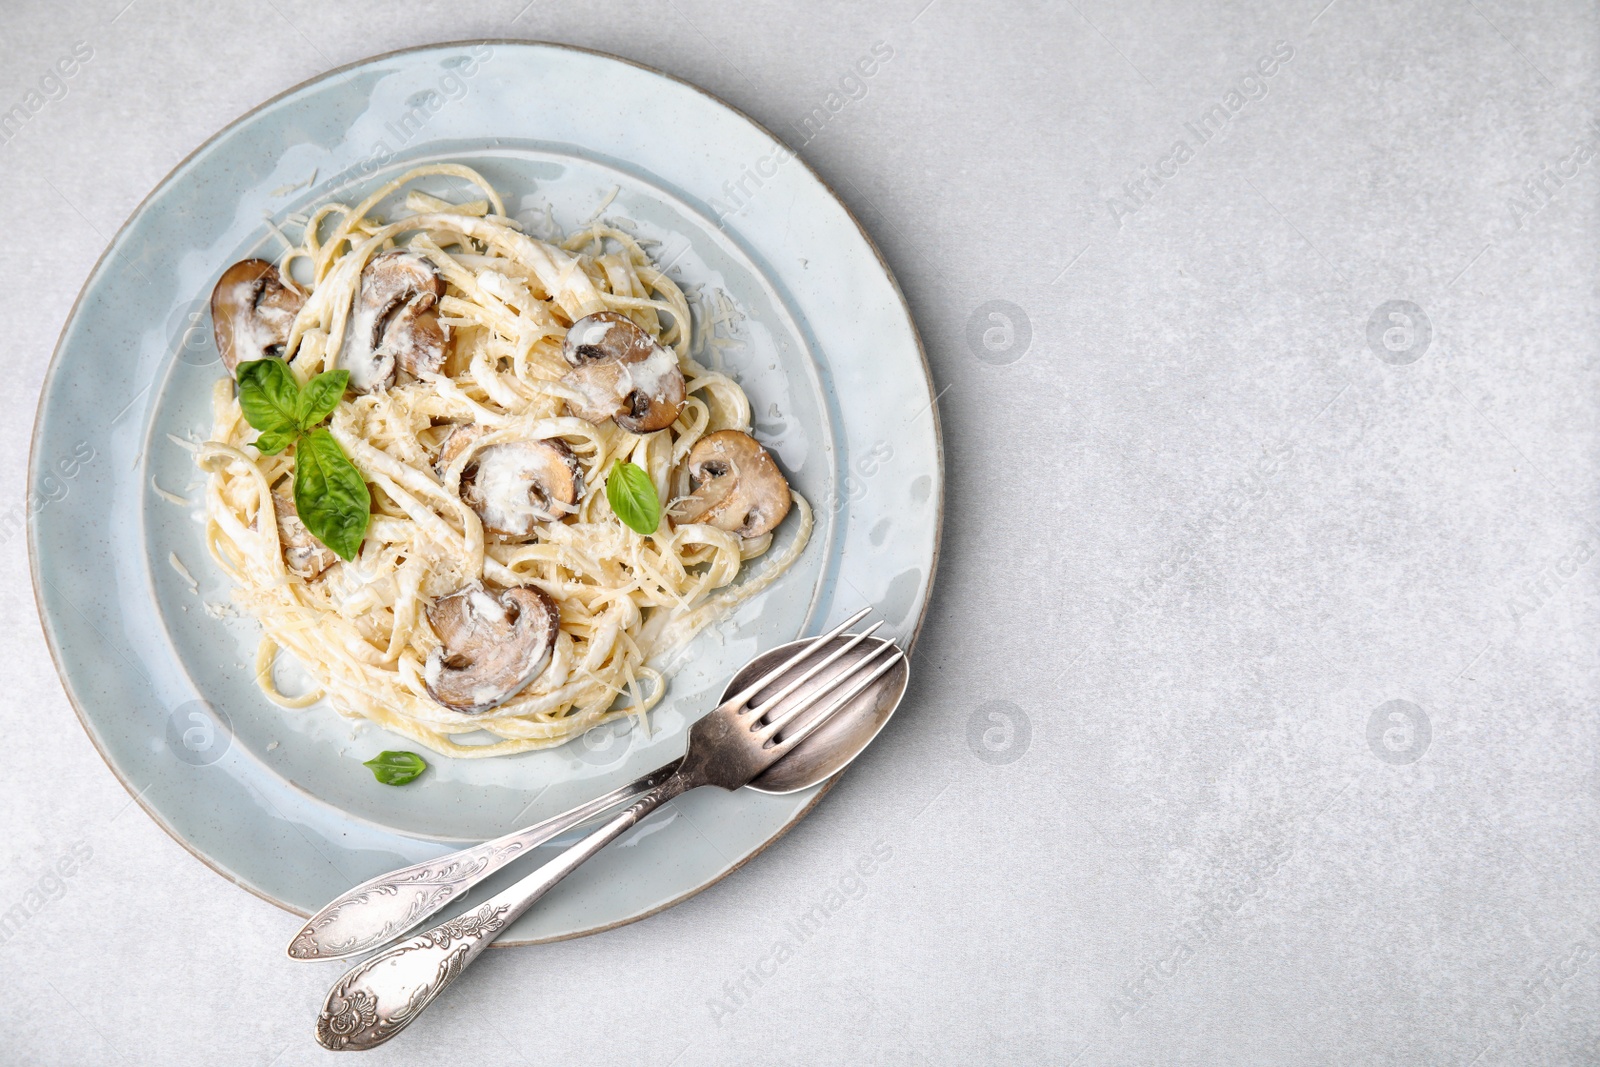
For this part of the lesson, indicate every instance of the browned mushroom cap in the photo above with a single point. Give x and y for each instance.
(252, 311)
(737, 486)
(394, 320)
(302, 553)
(494, 642)
(622, 374)
(514, 484)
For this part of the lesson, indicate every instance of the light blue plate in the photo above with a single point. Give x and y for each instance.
(277, 801)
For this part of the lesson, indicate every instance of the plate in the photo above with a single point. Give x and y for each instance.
(137, 616)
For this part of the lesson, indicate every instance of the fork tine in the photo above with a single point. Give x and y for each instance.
(811, 672)
(739, 699)
(810, 700)
(833, 709)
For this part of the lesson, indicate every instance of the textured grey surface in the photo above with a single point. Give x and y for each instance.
(1255, 719)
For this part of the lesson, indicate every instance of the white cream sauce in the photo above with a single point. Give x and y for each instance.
(503, 288)
(650, 374)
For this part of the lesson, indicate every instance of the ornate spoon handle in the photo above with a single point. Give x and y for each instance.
(379, 997)
(379, 910)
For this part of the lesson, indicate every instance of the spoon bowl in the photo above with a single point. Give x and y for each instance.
(831, 748)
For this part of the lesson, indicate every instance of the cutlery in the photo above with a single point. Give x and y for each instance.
(381, 909)
(772, 708)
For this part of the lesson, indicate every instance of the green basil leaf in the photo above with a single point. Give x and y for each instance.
(330, 494)
(632, 495)
(396, 768)
(269, 395)
(320, 396)
(272, 442)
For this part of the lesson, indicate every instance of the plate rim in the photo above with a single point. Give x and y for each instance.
(48, 380)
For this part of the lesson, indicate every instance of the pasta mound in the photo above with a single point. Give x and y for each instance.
(626, 601)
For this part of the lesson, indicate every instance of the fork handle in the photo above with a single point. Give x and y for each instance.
(380, 996)
(383, 908)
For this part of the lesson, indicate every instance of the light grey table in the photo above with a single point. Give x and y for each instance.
(1255, 719)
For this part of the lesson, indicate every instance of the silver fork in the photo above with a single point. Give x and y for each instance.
(381, 909)
(728, 748)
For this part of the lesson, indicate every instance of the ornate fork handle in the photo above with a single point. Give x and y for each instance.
(379, 910)
(379, 997)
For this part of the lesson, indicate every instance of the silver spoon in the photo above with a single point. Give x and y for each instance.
(776, 703)
(381, 909)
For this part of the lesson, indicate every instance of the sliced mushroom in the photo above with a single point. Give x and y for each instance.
(455, 442)
(394, 321)
(737, 486)
(494, 642)
(622, 374)
(252, 311)
(514, 484)
(302, 553)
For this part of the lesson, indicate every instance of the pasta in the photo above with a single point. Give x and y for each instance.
(363, 629)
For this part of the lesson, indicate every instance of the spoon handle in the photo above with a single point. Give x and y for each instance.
(380, 996)
(383, 908)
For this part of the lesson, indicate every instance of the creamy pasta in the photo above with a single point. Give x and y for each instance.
(365, 629)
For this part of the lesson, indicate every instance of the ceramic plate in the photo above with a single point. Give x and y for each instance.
(159, 669)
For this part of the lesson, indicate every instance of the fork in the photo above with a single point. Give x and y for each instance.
(381, 909)
(728, 748)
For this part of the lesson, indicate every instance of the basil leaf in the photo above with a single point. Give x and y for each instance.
(320, 396)
(396, 768)
(269, 395)
(272, 442)
(632, 495)
(330, 494)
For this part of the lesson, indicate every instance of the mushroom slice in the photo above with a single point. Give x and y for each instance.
(394, 321)
(461, 435)
(252, 312)
(514, 484)
(494, 642)
(302, 553)
(737, 486)
(622, 374)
